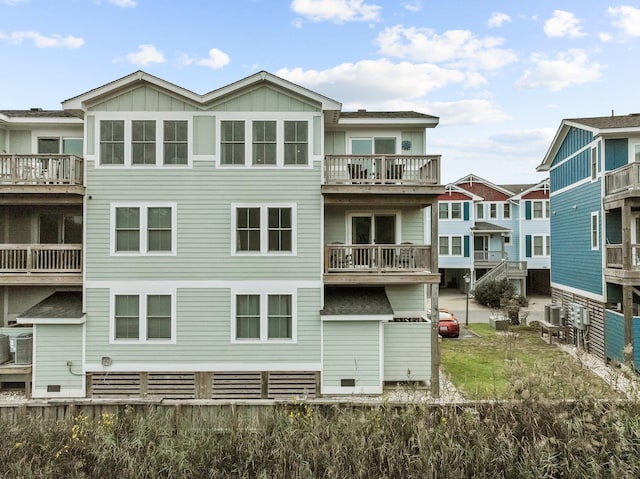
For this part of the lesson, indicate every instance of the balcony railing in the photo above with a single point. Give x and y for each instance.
(615, 257)
(381, 170)
(377, 258)
(488, 256)
(40, 258)
(623, 179)
(40, 170)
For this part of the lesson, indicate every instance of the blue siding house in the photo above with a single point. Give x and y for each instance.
(595, 229)
(494, 231)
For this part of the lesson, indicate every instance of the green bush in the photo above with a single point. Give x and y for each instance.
(491, 292)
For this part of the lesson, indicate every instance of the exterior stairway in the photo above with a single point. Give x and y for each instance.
(516, 270)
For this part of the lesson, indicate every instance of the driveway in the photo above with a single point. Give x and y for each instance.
(455, 301)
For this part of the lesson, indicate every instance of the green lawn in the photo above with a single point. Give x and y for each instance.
(519, 364)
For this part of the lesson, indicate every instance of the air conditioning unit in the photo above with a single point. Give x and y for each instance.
(24, 348)
(553, 314)
(5, 348)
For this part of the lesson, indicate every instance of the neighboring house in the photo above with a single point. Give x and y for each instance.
(494, 231)
(251, 242)
(595, 230)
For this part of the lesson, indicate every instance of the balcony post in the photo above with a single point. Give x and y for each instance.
(626, 236)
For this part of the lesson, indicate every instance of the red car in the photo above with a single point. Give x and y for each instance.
(448, 326)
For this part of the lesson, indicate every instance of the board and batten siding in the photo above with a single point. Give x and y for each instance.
(351, 351)
(55, 345)
(203, 336)
(144, 98)
(571, 229)
(407, 352)
(204, 196)
(264, 98)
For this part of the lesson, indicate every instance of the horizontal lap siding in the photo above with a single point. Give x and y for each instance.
(55, 345)
(203, 333)
(407, 352)
(351, 351)
(406, 297)
(571, 229)
(204, 196)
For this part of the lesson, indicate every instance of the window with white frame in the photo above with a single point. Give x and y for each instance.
(450, 210)
(143, 229)
(296, 142)
(541, 245)
(507, 239)
(595, 237)
(594, 163)
(263, 317)
(479, 211)
(493, 210)
(540, 209)
(144, 142)
(266, 142)
(506, 211)
(636, 151)
(450, 245)
(264, 229)
(143, 317)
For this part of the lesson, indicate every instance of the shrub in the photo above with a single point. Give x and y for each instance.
(491, 293)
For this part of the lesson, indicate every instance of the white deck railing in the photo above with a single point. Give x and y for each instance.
(377, 258)
(382, 169)
(40, 258)
(40, 169)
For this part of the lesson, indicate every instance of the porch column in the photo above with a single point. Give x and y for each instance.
(626, 236)
(627, 311)
(435, 342)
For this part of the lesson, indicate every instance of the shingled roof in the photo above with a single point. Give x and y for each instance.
(606, 122)
(356, 301)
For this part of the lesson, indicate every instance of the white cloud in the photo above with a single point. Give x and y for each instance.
(467, 112)
(458, 48)
(41, 41)
(563, 24)
(146, 55)
(338, 11)
(627, 19)
(414, 6)
(12, 2)
(216, 59)
(498, 19)
(373, 82)
(123, 3)
(605, 37)
(566, 69)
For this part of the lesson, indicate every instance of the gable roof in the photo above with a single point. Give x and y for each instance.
(82, 101)
(597, 125)
(471, 178)
(454, 192)
(542, 185)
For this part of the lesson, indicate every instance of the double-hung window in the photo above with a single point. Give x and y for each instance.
(296, 142)
(143, 317)
(493, 211)
(480, 211)
(112, 142)
(264, 143)
(144, 229)
(541, 245)
(595, 234)
(506, 211)
(265, 229)
(143, 142)
(232, 142)
(448, 210)
(450, 246)
(175, 142)
(263, 317)
(540, 209)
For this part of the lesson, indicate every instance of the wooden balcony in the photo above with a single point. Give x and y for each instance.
(40, 264)
(384, 179)
(22, 175)
(622, 264)
(378, 264)
(623, 182)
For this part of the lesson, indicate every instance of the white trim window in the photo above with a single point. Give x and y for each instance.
(540, 209)
(450, 210)
(263, 229)
(263, 317)
(143, 229)
(450, 245)
(507, 239)
(594, 163)
(506, 211)
(144, 142)
(264, 142)
(479, 211)
(541, 245)
(595, 230)
(143, 317)
(493, 211)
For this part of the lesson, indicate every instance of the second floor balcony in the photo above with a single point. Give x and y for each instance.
(622, 263)
(623, 182)
(378, 264)
(38, 173)
(402, 178)
(40, 264)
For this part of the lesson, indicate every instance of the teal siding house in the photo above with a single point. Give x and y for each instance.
(595, 230)
(251, 242)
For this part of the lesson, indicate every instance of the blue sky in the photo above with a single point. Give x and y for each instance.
(501, 75)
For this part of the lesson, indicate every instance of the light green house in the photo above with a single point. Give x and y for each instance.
(251, 242)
